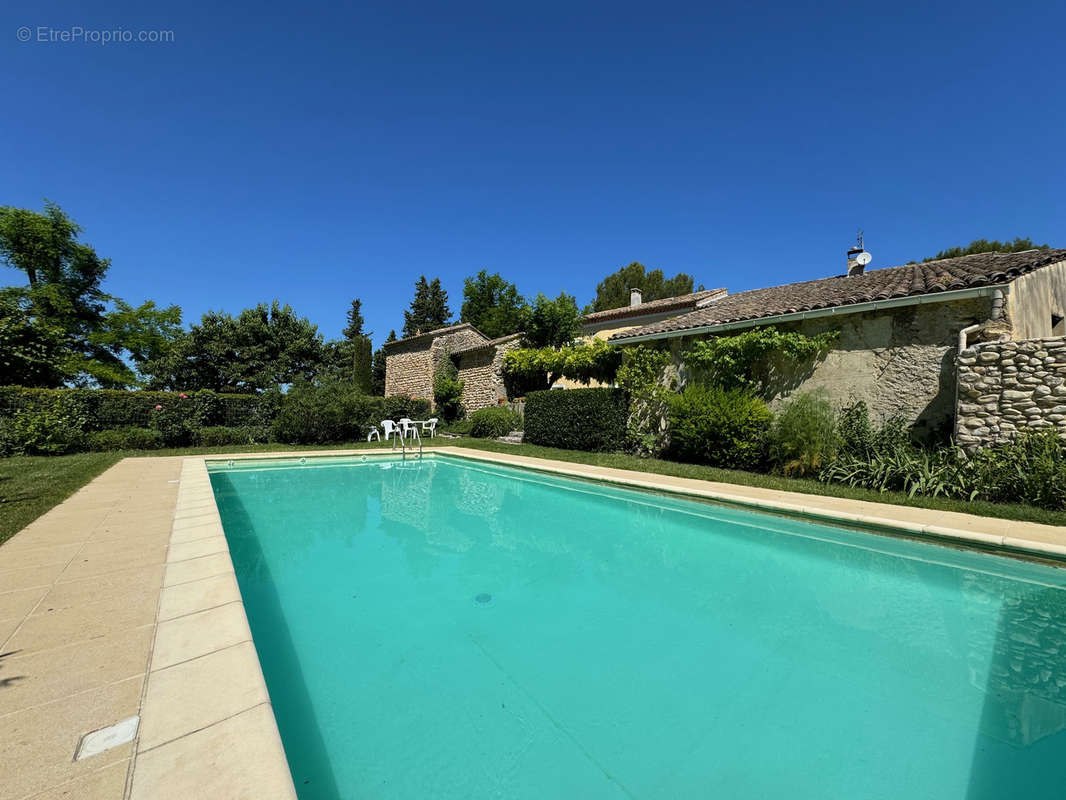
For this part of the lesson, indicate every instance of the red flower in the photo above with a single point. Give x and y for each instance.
(159, 408)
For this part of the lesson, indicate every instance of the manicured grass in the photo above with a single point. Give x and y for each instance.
(30, 485)
(619, 461)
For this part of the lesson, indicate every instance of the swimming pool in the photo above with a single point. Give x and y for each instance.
(449, 628)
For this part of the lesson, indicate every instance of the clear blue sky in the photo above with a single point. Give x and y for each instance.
(313, 154)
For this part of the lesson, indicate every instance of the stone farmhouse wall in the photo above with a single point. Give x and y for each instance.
(897, 360)
(411, 363)
(1007, 387)
(481, 371)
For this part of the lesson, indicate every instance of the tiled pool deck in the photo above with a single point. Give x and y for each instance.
(121, 602)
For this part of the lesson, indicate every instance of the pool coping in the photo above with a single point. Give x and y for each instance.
(201, 614)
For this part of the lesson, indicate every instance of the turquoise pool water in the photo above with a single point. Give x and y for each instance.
(449, 629)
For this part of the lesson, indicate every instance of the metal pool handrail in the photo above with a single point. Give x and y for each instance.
(403, 444)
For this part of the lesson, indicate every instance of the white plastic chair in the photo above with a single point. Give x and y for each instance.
(390, 428)
(431, 426)
(373, 432)
(407, 427)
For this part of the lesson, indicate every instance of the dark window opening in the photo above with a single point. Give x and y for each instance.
(1058, 325)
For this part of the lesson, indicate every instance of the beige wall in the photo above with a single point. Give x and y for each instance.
(899, 361)
(1034, 298)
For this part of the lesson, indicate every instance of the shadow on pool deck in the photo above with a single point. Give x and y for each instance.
(277, 652)
(1020, 747)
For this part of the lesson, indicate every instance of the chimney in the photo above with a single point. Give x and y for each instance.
(634, 297)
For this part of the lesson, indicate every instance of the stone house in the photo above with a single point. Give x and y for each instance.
(604, 324)
(901, 330)
(411, 363)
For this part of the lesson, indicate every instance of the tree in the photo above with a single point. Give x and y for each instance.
(989, 246)
(355, 320)
(553, 323)
(63, 310)
(493, 305)
(613, 291)
(263, 347)
(33, 351)
(429, 309)
(377, 368)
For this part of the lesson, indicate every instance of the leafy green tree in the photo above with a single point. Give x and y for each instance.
(493, 305)
(613, 291)
(262, 348)
(350, 358)
(429, 309)
(363, 364)
(33, 351)
(63, 310)
(553, 323)
(989, 246)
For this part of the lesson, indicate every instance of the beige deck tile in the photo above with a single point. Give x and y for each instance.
(135, 580)
(8, 627)
(105, 784)
(27, 577)
(37, 744)
(183, 551)
(198, 634)
(194, 694)
(240, 758)
(20, 602)
(42, 677)
(101, 558)
(188, 598)
(197, 568)
(29, 553)
(46, 629)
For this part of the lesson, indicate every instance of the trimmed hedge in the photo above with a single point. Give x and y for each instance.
(718, 427)
(125, 439)
(493, 422)
(110, 409)
(577, 419)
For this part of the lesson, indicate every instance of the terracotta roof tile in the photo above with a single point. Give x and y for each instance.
(681, 302)
(981, 269)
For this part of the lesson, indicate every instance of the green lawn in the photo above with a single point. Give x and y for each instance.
(30, 485)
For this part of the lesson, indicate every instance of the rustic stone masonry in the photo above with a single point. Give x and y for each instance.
(1006, 387)
(411, 364)
(481, 370)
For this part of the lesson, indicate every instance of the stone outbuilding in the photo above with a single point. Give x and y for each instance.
(901, 330)
(411, 363)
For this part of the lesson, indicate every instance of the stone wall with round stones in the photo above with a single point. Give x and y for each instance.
(1007, 387)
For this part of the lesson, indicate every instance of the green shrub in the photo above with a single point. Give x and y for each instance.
(108, 409)
(723, 428)
(577, 419)
(804, 436)
(492, 422)
(128, 438)
(222, 435)
(176, 421)
(642, 376)
(399, 406)
(325, 413)
(53, 428)
(460, 427)
(448, 392)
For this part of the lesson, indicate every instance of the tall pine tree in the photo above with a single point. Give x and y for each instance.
(429, 309)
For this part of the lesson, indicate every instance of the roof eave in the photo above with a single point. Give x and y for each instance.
(833, 311)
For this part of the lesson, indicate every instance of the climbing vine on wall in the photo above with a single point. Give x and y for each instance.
(763, 361)
(528, 369)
